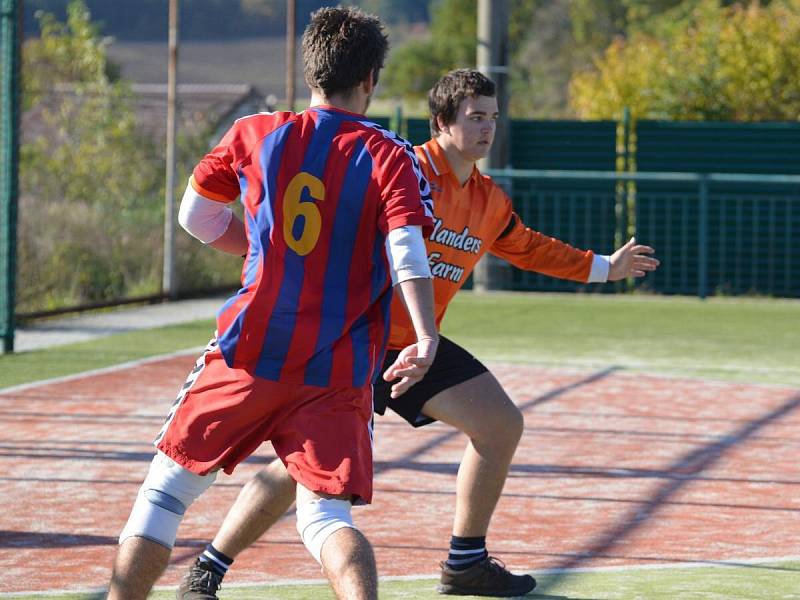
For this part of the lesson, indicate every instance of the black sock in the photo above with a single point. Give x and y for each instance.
(466, 551)
(218, 562)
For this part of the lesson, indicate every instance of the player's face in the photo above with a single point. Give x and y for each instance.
(474, 128)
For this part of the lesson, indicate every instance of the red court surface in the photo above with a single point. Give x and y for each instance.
(613, 469)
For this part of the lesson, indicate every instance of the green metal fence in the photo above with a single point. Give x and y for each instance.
(416, 131)
(10, 14)
(717, 147)
(710, 238)
(537, 144)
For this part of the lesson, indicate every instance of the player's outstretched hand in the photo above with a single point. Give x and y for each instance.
(411, 365)
(631, 260)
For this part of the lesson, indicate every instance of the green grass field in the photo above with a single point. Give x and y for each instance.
(735, 339)
(753, 340)
(769, 581)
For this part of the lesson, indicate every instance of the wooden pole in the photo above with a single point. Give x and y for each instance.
(492, 58)
(290, 53)
(169, 285)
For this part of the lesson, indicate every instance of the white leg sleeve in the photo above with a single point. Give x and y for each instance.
(166, 493)
(317, 520)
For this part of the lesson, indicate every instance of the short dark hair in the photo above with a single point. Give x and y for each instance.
(447, 94)
(342, 46)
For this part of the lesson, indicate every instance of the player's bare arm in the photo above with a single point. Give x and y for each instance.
(413, 361)
(411, 276)
(234, 240)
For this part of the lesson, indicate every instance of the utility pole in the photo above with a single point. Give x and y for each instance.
(169, 286)
(11, 36)
(491, 273)
(290, 53)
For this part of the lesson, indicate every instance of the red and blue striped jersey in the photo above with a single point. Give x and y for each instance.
(320, 189)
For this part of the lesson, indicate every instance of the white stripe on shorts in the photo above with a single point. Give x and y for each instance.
(190, 381)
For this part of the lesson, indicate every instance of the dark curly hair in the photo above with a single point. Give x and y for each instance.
(342, 46)
(446, 94)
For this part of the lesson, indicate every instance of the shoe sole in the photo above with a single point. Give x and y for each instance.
(450, 590)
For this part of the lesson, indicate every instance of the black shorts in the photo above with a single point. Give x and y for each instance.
(452, 365)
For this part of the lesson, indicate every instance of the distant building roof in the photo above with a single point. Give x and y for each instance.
(217, 105)
(199, 106)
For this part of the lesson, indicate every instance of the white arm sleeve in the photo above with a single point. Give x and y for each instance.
(408, 258)
(599, 272)
(204, 219)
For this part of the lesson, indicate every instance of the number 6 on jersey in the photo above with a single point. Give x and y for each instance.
(293, 208)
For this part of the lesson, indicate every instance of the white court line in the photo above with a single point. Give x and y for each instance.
(725, 564)
(576, 366)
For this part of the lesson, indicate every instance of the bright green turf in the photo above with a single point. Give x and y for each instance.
(103, 352)
(768, 581)
(737, 339)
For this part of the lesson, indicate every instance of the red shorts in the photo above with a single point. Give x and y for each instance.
(222, 415)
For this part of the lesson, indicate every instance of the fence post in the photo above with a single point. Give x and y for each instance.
(9, 169)
(169, 284)
(491, 273)
(702, 238)
(396, 121)
(621, 187)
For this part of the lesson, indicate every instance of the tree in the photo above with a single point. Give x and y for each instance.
(397, 11)
(546, 40)
(720, 62)
(450, 44)
(92, 186)
(71, 52)
(413, 68)
(86, 175)
(559, 37)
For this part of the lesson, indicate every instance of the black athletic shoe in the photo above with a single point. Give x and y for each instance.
(200, 583)
(488, 577)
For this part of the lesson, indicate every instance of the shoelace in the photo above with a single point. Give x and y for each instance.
(496, 566)
(204, 581)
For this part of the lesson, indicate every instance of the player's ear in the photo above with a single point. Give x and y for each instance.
(443, 127)
(368, 85)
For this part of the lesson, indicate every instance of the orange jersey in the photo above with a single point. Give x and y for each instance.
(469, 221)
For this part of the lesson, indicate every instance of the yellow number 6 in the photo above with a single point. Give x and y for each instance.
(293, 208)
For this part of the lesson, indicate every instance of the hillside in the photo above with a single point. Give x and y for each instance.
(257, 61)
(212, 19)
